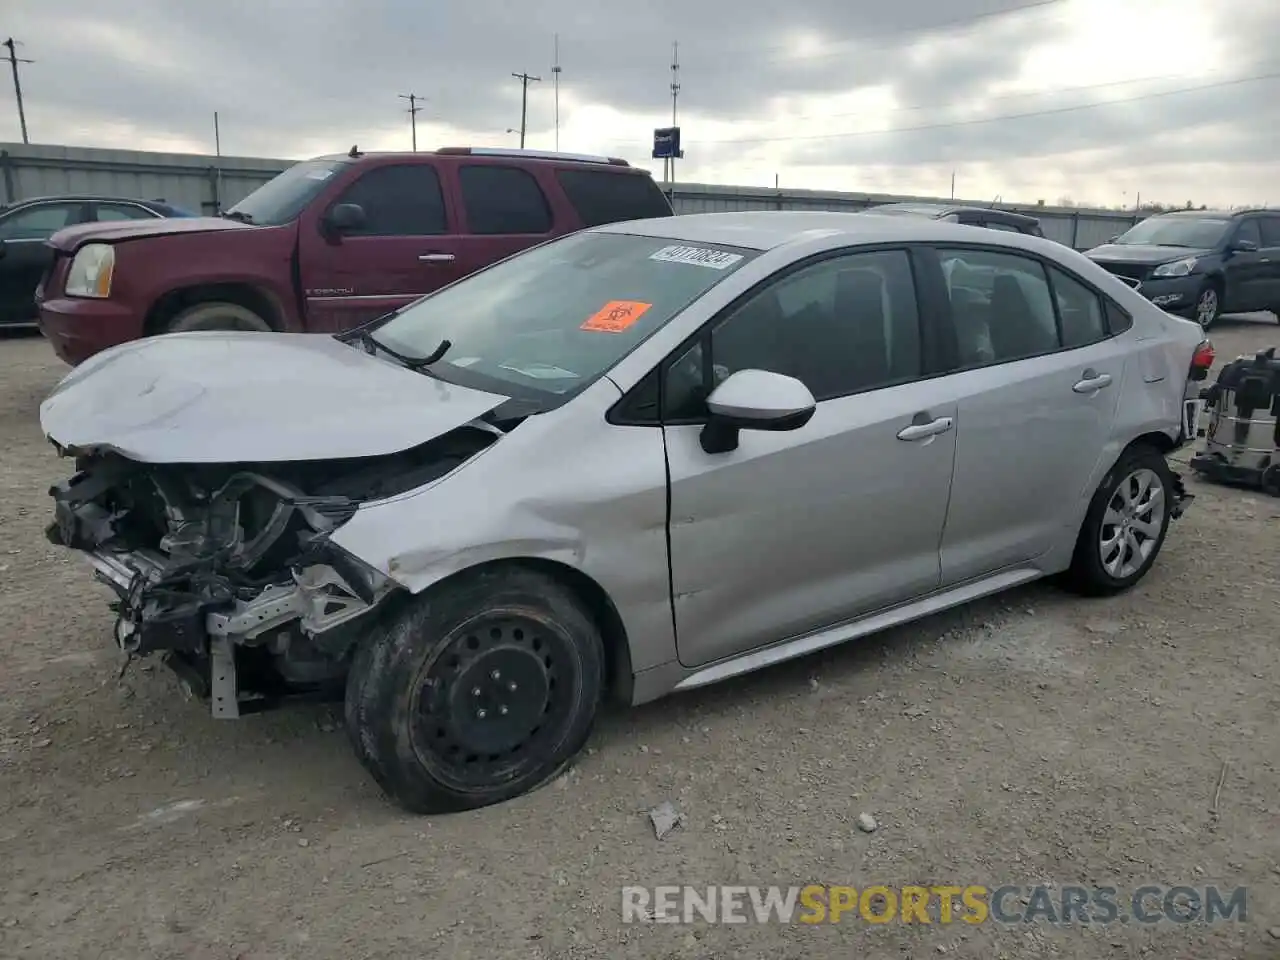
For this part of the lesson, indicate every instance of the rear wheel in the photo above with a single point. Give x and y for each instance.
(216, 315)
(1125, 526)
(477, 692)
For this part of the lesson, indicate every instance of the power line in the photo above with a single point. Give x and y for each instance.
(14, 60)
(977, 121)
(413, 99)
(524, 79)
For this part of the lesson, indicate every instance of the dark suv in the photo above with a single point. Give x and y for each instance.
(328, 244)
(987, 217)
(1201, 263)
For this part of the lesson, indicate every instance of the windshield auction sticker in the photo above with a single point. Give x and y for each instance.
(616, 316)
(697, 257)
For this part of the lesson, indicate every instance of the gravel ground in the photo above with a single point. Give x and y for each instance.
(1034, 738)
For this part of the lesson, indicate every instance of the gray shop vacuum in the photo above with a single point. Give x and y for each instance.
(1242, 438)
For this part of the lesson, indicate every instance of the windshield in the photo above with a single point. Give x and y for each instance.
(1191, 232)
(547, 323)
(282, 198)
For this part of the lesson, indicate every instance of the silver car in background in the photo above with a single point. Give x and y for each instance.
(638, 459)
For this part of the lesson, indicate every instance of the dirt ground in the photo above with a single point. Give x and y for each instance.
(1033, 738)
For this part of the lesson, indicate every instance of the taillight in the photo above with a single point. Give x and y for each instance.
(1201, 361)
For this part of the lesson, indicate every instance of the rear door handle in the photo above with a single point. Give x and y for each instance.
(923, 431)
(437, 258)
(1092, 382)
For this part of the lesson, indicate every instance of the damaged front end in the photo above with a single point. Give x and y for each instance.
(229, 572)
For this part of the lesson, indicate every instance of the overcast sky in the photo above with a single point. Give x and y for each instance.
(869, 95)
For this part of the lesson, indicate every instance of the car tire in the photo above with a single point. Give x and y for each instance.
(476, 692)
(1208, 305)
(217, 315)
(1106, 561)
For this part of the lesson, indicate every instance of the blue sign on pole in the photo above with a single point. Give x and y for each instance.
(666, 144)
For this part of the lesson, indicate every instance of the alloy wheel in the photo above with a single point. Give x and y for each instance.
(1132, 523)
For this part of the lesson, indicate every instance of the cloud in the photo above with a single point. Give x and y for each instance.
(834, 94)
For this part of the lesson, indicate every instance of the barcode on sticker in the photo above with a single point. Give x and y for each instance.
(697, 257)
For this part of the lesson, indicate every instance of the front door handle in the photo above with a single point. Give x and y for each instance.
(1092, 381)
(437, 258)
(923, 431)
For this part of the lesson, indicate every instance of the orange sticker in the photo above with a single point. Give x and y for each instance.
(616, 316)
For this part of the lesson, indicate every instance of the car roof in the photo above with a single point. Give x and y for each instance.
(769, 229)
(1203, 214)
(943, 209)
(82, 198)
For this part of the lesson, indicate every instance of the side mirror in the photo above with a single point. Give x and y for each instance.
(754, 400)
(344, 218)
(1244, 246)
(1113, 239)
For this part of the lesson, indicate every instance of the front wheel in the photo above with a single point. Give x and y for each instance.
(476, 692)
(1208, 306)
(217, 315)
(1125, 525)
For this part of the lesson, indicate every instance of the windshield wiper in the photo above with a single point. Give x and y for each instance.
(372, 344)
(237, 215)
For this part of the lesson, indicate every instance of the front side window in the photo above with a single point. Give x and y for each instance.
(1249, 232)
(282, 198)
(548, 322)
(401, 200)
(1001, 306)
(841, 326)
(40, 222)
(122, 211)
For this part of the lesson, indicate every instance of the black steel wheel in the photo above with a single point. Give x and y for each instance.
(477, 692)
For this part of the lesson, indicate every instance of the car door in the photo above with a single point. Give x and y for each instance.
(504, 211)
(402, 251)
(25, 255)
(1246, 271)
(104, 211)
(795, 531)
(1037, 383)
(1269, 227)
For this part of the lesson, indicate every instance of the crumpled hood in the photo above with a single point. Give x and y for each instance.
(232, 397)
(1141, 253)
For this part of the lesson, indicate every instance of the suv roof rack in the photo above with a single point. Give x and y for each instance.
(531, 154)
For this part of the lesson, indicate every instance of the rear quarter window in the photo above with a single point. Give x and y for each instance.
(601, 197)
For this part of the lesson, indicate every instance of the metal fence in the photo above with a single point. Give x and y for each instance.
(206, 184)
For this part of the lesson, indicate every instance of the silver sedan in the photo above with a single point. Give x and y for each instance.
(630, 461)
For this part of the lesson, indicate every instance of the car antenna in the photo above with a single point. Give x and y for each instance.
(354, 151)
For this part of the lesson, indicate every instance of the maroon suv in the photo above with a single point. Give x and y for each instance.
(328, 244)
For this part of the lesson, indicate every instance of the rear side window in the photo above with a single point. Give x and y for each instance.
(398, 201)
(1079, 310)
(600, 197)
(39, 222)
(1118, 319)
(123, 211)
(503, 200)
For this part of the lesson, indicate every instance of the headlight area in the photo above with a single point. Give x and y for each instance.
(1178, 268)
(91, 271)
(229, 574)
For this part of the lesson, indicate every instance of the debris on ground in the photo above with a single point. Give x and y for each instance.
(867, 823)
(665, 818)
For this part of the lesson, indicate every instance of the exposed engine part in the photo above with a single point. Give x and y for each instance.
(229, 570)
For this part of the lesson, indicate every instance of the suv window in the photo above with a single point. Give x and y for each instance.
(403, 200)
(1249, 231)
(39, 222)
(1270, 228)
(122, 211)
(612, 197)
(1001, 306)
(503, 200)
(841, 326)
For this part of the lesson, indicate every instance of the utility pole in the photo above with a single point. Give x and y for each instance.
(675, 94)
(217, 152)
(14, 60)
(524, 79)
(555, 81)
(413, 99)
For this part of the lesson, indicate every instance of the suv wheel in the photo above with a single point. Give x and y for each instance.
(1125, 526)
(1208, 305)
(217, 315)
(476, 693)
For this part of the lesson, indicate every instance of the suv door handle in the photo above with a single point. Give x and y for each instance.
(1091, 381)
(437, 258)
(923, 431)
